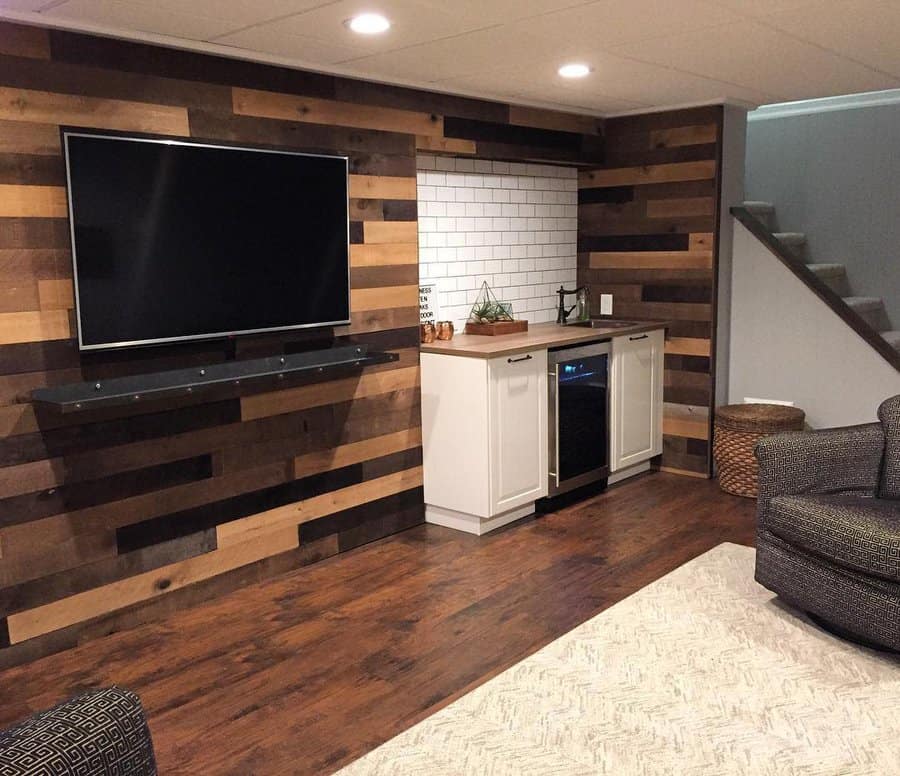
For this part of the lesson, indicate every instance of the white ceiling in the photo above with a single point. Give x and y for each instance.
(645, 53)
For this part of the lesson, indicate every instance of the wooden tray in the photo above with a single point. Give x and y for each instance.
(500, 327)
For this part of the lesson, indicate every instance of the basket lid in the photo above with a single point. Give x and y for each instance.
(760, 417)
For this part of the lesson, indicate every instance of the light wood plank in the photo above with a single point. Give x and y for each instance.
(445, 145)
(676, 137)
(375, 232)
(56, 294)
(524, 116)
(288, 517)
(273, 105)
(701, 241)
(151, 584)
(684, 472)
(654, 173)
(34, 326)
(651, 260)
(21, 137)
(263, 405)
(688, 346)
(356, 452)
(20, 41)
(17, 419)
(690, 428)
(382, 187)
(32, 201)
(383, 298)
(688, 206)
(383, 254)
(51, 108)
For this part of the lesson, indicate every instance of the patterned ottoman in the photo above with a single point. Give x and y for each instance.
(101, 732)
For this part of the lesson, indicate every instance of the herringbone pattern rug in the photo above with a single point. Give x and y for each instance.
(700, 672)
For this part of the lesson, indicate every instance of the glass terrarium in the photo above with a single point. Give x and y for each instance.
(491, 316)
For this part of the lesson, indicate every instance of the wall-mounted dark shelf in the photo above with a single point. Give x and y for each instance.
(197, 382)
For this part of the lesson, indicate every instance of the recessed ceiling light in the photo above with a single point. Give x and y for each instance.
(574, 70)
(369, 24)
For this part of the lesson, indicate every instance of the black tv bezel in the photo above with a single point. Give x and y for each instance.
(67, 132)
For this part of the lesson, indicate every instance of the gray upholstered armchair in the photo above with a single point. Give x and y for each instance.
(829, 525)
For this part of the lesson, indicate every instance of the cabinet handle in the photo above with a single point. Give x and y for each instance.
(633, 339)
(517, 360)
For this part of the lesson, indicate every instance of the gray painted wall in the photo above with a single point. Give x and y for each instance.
(836, 176)
(787, 344)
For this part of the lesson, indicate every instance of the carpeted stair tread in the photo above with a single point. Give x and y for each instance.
(827, 270)
(870, 309)
(893, 338)
(832, 275)
(791, 239)
(759, 208)
(864, 302)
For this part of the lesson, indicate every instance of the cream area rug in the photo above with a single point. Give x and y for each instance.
(701, 672)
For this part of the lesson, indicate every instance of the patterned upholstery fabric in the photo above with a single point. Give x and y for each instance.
(889, 415)
(100, 733)
(857, 533)
(828, 536)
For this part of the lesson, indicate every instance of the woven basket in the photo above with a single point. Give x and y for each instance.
(738, 428)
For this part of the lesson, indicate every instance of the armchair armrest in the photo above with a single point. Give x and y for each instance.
(835, 460)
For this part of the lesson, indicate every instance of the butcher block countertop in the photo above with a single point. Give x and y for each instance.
(538, 336)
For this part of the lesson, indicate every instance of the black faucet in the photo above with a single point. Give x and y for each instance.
(563, 314)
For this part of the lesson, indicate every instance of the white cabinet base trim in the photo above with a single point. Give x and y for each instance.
(624, 474)
(463, 521)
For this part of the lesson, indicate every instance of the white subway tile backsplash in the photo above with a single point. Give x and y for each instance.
(510, 224)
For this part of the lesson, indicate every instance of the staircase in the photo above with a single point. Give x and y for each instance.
(870, 308)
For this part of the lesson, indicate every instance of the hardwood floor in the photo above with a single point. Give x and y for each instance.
(304, 673)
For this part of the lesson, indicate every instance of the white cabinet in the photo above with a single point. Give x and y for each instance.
(484, 436)
(636, 398)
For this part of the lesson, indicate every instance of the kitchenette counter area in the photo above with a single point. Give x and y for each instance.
(510, 422)
(541, 335)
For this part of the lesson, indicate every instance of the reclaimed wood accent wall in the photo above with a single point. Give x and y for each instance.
(647, 228)
(117, 517)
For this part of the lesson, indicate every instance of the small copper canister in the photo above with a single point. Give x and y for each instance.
(426, 332)
(445, 330)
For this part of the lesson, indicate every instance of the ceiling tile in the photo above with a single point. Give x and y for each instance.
(760, 58)
(141, 17)
(242, 12)
(763, 8)
(269, 39)
(865, 30)
(23, 5)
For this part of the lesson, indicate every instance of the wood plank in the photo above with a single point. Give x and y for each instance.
(32, 201)
(445, 145)
(654, 173)
(20, 296)
(251, 102)
(56, 294)
(263, 405)
(382, 187)
(378, 232)
(20, 41)
(366, 321)
(684, 472)
(689, 206)
(383, 254)
(356, 452)
(50, 108)
(22, 137)
(541, 118)
(141, 587)
(697, 134)
(383, 298)
(701, 241)
(651, 260)
(665, 311)
(288, 517)
(688, 346)
(34, 326)
(683, 426)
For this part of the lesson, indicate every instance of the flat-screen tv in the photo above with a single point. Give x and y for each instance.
(174, 240)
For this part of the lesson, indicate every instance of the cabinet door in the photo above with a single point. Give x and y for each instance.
(637, 385)
(518, 419)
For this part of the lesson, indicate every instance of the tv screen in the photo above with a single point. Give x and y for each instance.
(175, 241)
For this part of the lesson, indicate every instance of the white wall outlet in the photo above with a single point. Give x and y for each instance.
(606, 304)
(751, 400)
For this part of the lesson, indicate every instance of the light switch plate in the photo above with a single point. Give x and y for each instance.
(606, 304)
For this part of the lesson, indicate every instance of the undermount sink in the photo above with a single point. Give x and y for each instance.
(603, 323)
